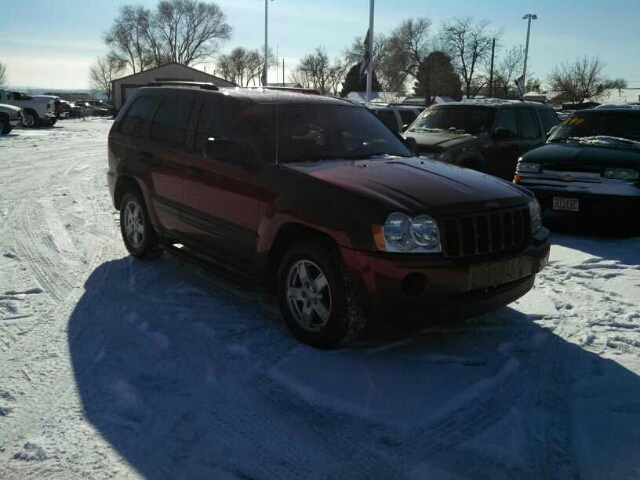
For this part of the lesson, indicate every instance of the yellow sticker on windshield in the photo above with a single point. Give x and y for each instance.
(574, 121)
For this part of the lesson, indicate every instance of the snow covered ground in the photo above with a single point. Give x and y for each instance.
(114, 368)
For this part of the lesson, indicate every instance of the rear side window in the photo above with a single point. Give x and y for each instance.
(528, 124)
(172, 120)
(389, 118)
(507, 120)
(549, 119)
(215, 121)
(137, 116)
(407, 117)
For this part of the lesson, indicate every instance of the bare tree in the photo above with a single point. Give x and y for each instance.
(397, 56)
(243, 66)
(355, 53)
(507, 69)
(407, 46)
(617, 84)
(103, 72)
(3, 75)
(128, 38)
(189, 32)
(580, 80)
(182, 31)
(317, 71)
(468, 43)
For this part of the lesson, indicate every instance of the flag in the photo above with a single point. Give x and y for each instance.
(520, 86)
(368, 47)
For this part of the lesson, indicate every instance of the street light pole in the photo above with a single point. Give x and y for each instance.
(529, 17)
(370, 46)
(266, 39)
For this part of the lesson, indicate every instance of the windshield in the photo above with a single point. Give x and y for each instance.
(598, 128)
(325, 132)
(456, 119)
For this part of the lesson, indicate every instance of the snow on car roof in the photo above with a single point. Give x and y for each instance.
(266, 95)
(628, 105)
(495, 102)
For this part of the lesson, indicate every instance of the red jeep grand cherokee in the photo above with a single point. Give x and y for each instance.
(318, 199)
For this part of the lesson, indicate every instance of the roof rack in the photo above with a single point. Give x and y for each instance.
(180, 83)
(309, 91)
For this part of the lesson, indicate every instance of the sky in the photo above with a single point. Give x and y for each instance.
(51, 44)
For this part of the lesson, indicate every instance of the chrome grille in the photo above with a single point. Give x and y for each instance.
(485, 233)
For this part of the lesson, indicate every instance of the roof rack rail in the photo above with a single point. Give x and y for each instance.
(309, 91)
(181, 83)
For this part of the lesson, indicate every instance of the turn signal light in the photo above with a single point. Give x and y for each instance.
(516, 179)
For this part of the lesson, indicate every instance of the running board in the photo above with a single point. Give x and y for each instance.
(243, 277)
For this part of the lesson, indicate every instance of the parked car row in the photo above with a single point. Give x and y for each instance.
(37, 111)
(31, 111)
(589, 163)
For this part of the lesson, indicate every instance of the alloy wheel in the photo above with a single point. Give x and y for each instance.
(134, 224)
(308, 295)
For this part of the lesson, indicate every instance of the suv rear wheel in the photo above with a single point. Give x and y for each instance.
(317, 297)
(138, 234)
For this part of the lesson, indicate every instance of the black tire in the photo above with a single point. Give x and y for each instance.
(144, 242)
(31, 119)
(5, 127)
(346, 317)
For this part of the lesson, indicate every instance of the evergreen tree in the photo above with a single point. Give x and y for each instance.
(436, 77)
(353, 82)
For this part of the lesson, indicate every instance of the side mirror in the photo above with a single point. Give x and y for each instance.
(404, 127)
(502, 134)
(552, 131)
(411, 143)
(225, 150)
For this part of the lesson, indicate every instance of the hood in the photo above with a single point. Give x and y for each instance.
(10, 108)
(417, 185)
(432, 141)
(584, 155)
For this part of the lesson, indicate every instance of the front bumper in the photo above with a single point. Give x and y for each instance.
(420, 288)
(15, 122)
(611, 198)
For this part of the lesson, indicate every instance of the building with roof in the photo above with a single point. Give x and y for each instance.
(123, 87)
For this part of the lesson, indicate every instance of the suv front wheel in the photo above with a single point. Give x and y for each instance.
(316, 296)
(138, 234)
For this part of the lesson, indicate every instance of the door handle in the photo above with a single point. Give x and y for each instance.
(194, 171)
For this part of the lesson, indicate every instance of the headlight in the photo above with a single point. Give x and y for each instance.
(424, 231)
(621, 173)
(401, 233)
(527, 167)
(536, 216)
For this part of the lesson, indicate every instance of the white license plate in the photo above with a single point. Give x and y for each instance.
(497, 273)
(567, 204)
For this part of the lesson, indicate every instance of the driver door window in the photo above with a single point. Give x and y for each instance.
(215, 121)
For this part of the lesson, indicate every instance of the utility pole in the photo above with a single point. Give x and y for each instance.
(283, 71)
(266, 39)
(370, 46)
(493, 50)
(529, 17)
